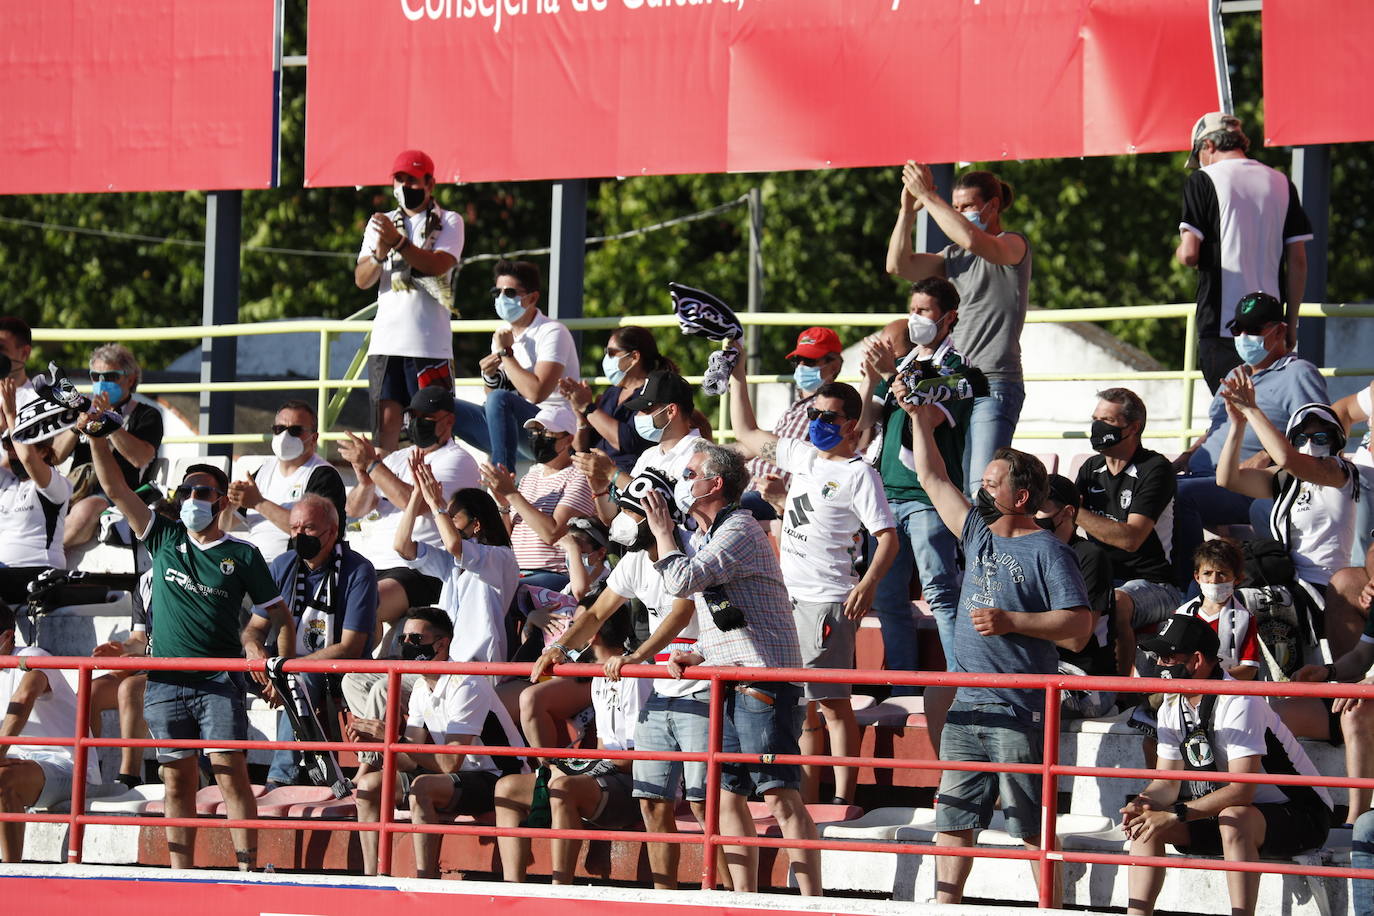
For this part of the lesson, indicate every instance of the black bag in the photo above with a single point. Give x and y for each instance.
(1267, 562)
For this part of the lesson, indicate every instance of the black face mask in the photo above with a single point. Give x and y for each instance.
(417, 653)
(987, 506)
(543, 447)
(1177, 672)
(307, 546)
(413, 197)
(1047, 523)
(422, 432)
(6, 365)
(1104, 435)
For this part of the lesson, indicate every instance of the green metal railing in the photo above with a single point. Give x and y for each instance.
(331, 393)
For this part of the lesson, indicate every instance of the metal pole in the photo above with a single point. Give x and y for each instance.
(1312, 176)
(751, 333)
(76, 830)
(219, 355)
(1049, 800)
(1223, 72)
(710, 841)
(567, 262)
(322, 396)
(387, 801)
(929, 236)
(1185, 410)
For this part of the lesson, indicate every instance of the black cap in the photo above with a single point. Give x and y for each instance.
(1183, 633)
(431, 399)
(662, 387)
(1254, 311)
(1063, 491)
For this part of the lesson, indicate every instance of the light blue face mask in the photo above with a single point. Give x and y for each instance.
(976, 217)
(1251, 348)
(510, 309)
(111, 390)
(197, 514)
(610, 367)
(644, 425)
(808, 378)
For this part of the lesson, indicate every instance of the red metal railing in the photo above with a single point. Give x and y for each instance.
(710, 839)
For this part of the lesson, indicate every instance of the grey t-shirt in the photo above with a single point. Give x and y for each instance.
(1033, 573)
(993, 299)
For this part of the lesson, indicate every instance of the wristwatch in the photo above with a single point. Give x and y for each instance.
(589, 409)
(1181, 812)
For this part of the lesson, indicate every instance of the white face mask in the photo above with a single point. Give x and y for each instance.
(921, 329)
(683, 496)
(287, 447)
(1314, 450)
(624, 530)
(1217, 592)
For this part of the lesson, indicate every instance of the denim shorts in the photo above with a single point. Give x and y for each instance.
(990, 733)
(1154, 601)
(672, 724)
(213, 708)
(752, 726)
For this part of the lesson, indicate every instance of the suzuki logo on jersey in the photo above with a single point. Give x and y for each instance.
(798, 511)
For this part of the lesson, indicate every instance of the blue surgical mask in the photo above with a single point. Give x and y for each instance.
(1251, 348)
(197, 514)
(610, 367)
(824, 436)
(644, 425)
(510, 309)
(976, 217)
(111, 390)
(808, 378)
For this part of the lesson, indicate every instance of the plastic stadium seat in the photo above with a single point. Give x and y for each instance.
(209, 802)
(881, 824)
(279, 801)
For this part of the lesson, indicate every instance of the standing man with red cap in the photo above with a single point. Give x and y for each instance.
(816, 360)
(413, 251)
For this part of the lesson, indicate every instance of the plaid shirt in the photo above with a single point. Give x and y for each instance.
(735, 554)
(791, 425)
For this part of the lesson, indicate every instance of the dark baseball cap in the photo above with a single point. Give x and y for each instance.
(1183, 633)
(1254, 311)
(662, 387)
(432, 399)
(1063, 491)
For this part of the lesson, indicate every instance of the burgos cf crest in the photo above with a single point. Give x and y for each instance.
(226, 567)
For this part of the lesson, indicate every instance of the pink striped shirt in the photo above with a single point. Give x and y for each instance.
(546, 492)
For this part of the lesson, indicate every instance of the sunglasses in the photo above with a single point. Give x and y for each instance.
(205, 493)
(510, 292)
(1314, 438)
(112, 375)
(807, 361)
(295, 429)
(414, 639)
(825, 416)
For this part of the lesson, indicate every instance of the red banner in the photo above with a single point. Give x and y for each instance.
(523, 89)
(1318, 76)
(151, 95)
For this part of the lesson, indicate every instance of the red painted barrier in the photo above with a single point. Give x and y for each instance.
(1050, 769)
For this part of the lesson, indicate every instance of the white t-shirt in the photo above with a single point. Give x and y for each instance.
(410, 322)
(477, 592)
(283, 489)
(32, 520)
(827, 503)
(453, 467)
(53, 716)
(616, 705)
(547, 341)
(635, 577)
(1241, 728)
(1323, 527)
(670, 462)
(460, 705)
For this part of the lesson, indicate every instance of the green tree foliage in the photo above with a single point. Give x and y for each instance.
(1103, 232)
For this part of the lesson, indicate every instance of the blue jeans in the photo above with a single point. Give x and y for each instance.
(991, 427)
(990, 733)
(285, 770)
(672, 724)
(1362, 856)
(496, 426)
(544, 578)
(209, 709)
(752, 726)
(922, 540)
(1201, 504)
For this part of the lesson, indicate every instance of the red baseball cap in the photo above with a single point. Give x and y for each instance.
(413, 162)
(814, 343)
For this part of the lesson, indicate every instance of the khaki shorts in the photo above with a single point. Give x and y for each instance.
(826, 637)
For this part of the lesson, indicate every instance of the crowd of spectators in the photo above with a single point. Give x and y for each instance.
(631, 537)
